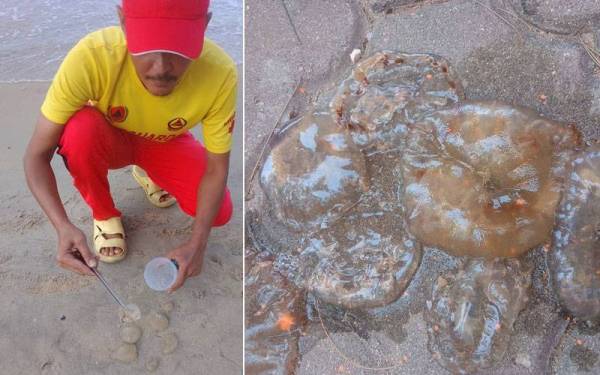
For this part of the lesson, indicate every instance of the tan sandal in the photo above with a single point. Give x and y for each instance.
(102, 228)
(153, 191)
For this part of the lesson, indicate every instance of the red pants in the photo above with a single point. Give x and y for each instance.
(91, 146)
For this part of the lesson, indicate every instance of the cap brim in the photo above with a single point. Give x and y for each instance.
(181, 36)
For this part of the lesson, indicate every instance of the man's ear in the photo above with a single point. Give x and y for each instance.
(121, 18)
(208, 17)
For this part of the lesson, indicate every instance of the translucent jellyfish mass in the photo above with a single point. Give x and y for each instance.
(363, 261)
(575, 257)
(484, 179)
(313, 172)
(471, 313)
(270, 348)
(387, 91)
(397, 160)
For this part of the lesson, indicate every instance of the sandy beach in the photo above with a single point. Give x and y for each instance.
(57, 322)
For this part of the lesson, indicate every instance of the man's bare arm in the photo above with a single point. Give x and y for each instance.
(42, 183)
(40, 176)
(210, 195)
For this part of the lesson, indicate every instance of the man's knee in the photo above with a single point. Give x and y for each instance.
(225, 212)
(83, 128)
(223, 215)
(80, 139)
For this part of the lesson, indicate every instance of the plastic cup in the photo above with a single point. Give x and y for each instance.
(160, 273)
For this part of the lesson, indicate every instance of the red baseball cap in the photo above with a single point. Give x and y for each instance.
(175, 26)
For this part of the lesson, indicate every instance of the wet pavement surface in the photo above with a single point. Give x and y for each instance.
(362, 311)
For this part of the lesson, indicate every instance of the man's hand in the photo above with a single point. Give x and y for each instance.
(189, 257)
(70, 241)
(210, 195)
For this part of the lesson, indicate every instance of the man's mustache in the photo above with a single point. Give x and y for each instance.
(166, 78)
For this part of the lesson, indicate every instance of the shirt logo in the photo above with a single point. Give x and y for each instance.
(230, 123)
(117, 114)
(176, 124)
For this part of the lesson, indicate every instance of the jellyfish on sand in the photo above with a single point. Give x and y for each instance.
(389, 90)
(313, 172)
(484, 179)
(272, 316)
(575, 257)
(363, 261)
(471, 313)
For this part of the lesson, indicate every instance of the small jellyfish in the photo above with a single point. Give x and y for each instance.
(157, 322)
(152, 364)
(575, 257)
(126, 353)
(389, 90)
(313, 172)
(131, 313)
(273, 313)
(363, 261)
(168, 343)
(130, 333)
(471, 314)
(484, 179)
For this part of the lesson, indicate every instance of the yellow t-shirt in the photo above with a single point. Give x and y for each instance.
(99, 70)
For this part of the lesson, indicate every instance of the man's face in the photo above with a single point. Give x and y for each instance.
(159, 72)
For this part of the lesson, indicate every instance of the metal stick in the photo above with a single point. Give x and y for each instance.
(110, 291)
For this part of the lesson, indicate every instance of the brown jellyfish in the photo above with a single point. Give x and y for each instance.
(389, 90)
(471, 313)
(575, 257)
(272, 318)
(363, 260)
(484, 179)
(313, 172)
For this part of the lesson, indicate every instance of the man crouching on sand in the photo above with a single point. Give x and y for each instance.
(128, 96)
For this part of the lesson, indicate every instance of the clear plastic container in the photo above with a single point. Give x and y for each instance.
(160, 273)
